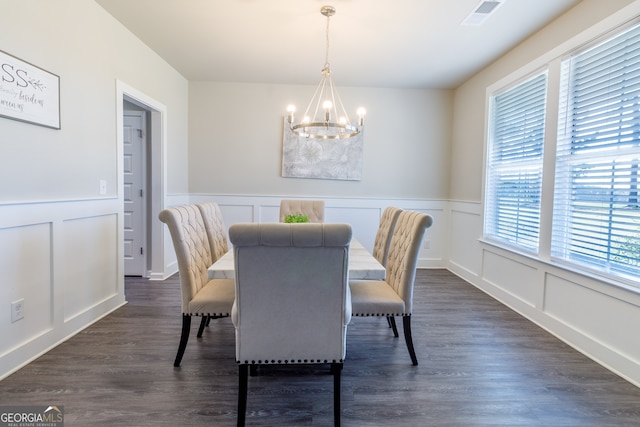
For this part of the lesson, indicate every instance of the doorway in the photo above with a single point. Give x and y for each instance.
(141, 181)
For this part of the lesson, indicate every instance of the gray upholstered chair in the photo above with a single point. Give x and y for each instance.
(384, 233)
(200, 296)
(292, 298)
(394, 295)
(313, 209)
(216, 230)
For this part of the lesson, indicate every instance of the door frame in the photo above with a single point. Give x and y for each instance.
(157, 175)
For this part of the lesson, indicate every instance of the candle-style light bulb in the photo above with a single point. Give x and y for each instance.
(327, 109)
(290, 110)
(361, 113)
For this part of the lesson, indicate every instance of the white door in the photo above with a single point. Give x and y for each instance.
(134, 193)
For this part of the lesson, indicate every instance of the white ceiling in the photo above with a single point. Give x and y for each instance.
(376, 43)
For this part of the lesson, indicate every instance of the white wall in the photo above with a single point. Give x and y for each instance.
(597, 317)
(60, 240)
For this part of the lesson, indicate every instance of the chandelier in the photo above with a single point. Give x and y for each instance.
(325, 116)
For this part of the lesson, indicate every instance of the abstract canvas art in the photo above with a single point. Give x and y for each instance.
(321, 159)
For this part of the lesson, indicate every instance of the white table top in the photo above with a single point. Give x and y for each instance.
(362, 265)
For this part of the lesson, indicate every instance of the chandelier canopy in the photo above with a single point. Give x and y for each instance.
(325, 116)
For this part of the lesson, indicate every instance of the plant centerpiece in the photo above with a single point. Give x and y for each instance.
(294, 218)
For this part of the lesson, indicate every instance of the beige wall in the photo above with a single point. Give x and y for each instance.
(593, 314)
(60, 240)
(89, 50)
(235, 144)
(468, 131)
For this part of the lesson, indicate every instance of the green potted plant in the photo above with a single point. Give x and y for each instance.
(295, 218)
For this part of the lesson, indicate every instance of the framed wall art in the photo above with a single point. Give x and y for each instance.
(28, 93)
(339, 159)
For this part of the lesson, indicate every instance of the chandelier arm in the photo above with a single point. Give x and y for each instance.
(333, 98)
(318, 89)
(344, 111)
(321, 88)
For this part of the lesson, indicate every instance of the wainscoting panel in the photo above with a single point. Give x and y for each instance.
(93, 280)
(607, 320)
(364, 221)
(25, 264)
(464, 233)
(513, 277)
(63, 258)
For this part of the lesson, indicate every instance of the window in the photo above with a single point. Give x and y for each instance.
(514, 164)
(596, 215)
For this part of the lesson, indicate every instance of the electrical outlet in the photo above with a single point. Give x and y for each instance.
(426, 244)
(103, 187)
(17, 310)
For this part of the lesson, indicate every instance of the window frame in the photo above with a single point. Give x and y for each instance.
(508, 167)
(593, 143)
(551, 61)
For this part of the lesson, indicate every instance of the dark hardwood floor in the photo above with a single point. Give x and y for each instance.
(481, 364)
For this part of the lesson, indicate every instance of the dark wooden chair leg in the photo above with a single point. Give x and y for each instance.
(392, 321)
(243, 379)
(204, 322)
(406, 324)
(184, 337)
(336, 369)
(389, 321)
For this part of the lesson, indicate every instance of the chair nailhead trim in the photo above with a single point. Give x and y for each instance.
(207, 314)
(379, 314)
(285, 362)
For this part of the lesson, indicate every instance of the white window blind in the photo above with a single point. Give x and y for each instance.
(596, 216)
(514, 164)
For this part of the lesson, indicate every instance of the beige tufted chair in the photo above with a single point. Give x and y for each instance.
(292, 298)
(216, 230)
(217, 235)
(200, 296)
(394, 295)
(314, 209)
(384, 233)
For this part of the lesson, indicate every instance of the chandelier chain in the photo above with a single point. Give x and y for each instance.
(326, 55)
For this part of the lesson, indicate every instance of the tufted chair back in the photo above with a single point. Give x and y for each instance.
(193, 252)
(314, 209)
(384, 233)
(293, 302)
(216, 230)
(403, 254)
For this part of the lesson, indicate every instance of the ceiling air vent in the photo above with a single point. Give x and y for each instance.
(481, 12)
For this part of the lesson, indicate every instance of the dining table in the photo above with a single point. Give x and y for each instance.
(362, 265)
